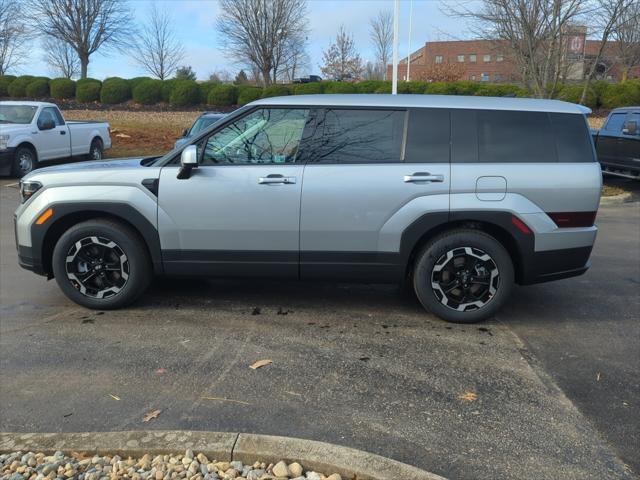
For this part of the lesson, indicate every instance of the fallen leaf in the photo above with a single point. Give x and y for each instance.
(221, 399)
(468, 397)
(161, 371)
(115, 397)
(598, 377)
(293, 393)
(260, 363)
(151, 415)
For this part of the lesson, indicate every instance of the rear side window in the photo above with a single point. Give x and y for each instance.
(428, 136)
(573, 139)
(615, 122)
(358, 136)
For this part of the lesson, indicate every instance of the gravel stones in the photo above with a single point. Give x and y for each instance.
(187, 466)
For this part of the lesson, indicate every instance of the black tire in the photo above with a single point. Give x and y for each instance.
(136, 264)
(24, 161)
(96, 150)
(456, 261)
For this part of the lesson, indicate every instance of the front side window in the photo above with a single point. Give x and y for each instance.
(265, 136)
(54, 114)
(615, 122)
(358, 136)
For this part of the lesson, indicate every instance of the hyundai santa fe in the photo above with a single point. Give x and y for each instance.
(460, 197)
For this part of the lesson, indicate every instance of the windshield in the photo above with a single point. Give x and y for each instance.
(202, 123)
(17, 113)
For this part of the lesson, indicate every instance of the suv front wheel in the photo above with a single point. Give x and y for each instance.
(463, 276)
(101, 264)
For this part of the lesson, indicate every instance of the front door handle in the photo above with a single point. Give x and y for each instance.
(423, 177)
(276, 179)
(62, 132)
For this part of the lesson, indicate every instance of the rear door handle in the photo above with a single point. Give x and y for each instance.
(423, 177)
(62, 132)
(276, 179)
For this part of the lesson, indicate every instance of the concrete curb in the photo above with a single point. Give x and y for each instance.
(616, 199)
(223, 446)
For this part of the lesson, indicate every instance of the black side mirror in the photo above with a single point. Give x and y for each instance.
(188, 161)
(630, 127)
(185, 132)
(46, 125)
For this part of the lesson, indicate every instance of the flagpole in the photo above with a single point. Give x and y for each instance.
(396, 28)
(409, 54)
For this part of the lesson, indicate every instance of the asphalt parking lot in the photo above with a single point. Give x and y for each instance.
(549, 389)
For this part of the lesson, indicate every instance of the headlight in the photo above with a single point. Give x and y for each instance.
(4, 141)
(27, 189)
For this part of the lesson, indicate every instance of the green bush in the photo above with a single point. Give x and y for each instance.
(276, 91)
(88, 90)
(38, 89)
(308, 88)
(499, 90)
(18, 88)
(148, 92)
(205, 88)
(5, 80)
(115, 90)
(619, 94)
(440, 88)
(573, 93)
(135, 81)
(248, 94)
(340, 87)
(415, 88)
(370, 86)
(62, 88)
(167, 88)
(223, 95)
(185, 93)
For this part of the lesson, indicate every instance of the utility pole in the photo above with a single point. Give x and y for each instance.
(396, 28)
(409, 54)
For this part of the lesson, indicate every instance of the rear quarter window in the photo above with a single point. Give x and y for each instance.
(573, 139)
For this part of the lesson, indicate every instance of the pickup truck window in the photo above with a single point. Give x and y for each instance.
(615, 122)
(22, 114)
(635, 117)
(50, 113)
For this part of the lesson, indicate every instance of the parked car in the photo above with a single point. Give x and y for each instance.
(32, 133)
(618, 143)
(308, 79)
(461, 197)
(203, 121)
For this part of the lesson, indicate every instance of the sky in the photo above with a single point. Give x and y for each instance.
(195, 27)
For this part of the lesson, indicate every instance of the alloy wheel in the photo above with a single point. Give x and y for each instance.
(25, 162)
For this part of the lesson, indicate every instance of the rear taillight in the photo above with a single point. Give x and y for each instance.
(573, 219)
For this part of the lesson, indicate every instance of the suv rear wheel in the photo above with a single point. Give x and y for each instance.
(101, 264)
(463, 276)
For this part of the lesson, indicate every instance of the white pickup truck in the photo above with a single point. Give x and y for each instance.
(36, 132)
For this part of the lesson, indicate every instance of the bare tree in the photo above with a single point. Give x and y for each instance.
(156, 48)
(292, 59)
(13, 35)
(341, 60)
(381, 35)
(259, 33)
(605, 15)
(61, 58)
(531, 31)
(86, 25)
(627, 37)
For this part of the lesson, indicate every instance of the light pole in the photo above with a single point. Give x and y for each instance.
(409, 54)
(396, 28)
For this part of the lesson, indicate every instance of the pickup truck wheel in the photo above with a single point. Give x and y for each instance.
(101, 264)
(24, 161)
(463, 276)
(95, 152)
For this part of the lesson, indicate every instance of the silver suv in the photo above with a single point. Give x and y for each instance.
(461, 197)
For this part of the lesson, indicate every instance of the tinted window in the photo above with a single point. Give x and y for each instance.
(262, 136)
(464, 136)
(573, 139)
(428, 136)
(358, 136)
(615, 122)
(50, 113)
(635, 117)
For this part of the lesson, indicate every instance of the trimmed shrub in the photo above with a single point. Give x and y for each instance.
(185, 93)
(572, 93)
(500, 90)
(205, 88)
(5, 80)
(148, 92)
(308, 88)
(248, 94)
(88, 90)
(619, 94)
(440, 88)
(134, 82)
(62, 88)
(167, 88)
(414, 88)
(340, 87)
(276, 91)
(370, 86)
(223, 95)
(38, 89)
(115, 90)
(18, 88)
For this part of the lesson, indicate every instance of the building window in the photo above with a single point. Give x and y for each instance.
(484, 77)
(486, 58)
(460, 58)
(499, 58)
(473, 58)
(439, 58)
(473, 77)
(497, 77)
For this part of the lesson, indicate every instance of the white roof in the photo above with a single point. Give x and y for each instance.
(427, 101)
(26, 103)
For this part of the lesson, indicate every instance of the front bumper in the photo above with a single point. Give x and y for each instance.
(28, 261)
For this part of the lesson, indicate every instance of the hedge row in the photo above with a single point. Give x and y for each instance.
(147, 91)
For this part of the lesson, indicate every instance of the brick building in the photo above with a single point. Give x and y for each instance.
(488, 60)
